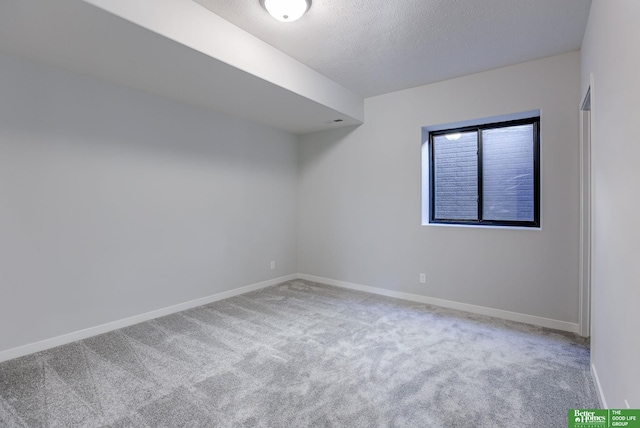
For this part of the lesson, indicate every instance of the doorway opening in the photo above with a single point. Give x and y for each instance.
(586, 201)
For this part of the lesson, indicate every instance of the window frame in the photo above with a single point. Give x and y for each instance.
(535, 121)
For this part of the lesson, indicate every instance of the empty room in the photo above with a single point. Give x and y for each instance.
(318, 213)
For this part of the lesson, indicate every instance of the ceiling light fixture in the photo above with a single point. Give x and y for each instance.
(286, 10)
(453, 137)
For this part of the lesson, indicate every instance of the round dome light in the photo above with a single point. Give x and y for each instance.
(287, 10)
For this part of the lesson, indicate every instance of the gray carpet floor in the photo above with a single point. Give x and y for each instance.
(301, 354)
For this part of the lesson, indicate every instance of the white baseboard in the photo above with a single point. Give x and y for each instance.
(104, 328)
(596, 380)
(497, 313)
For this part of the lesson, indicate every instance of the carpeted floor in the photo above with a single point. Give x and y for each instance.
(300, 354)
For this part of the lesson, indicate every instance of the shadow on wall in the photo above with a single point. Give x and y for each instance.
(319, 144)
(50, 106)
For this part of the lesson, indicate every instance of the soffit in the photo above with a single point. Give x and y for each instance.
(177, 49)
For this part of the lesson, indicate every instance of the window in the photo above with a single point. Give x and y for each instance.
(487, 174)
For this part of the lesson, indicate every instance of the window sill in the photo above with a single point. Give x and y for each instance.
(483, 226)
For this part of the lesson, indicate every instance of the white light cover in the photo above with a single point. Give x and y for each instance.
(453, 137)
(286, 10)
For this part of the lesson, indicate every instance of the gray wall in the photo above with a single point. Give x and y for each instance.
(610, 52)
(360, 197)
(114, 203)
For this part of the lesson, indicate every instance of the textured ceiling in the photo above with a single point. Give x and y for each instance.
(374, 46)
(181, 50)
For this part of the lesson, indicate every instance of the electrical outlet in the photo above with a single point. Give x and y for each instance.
(273, 265)
(423, 278)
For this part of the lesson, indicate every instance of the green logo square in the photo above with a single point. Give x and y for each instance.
(603, 418)
(588, 418)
